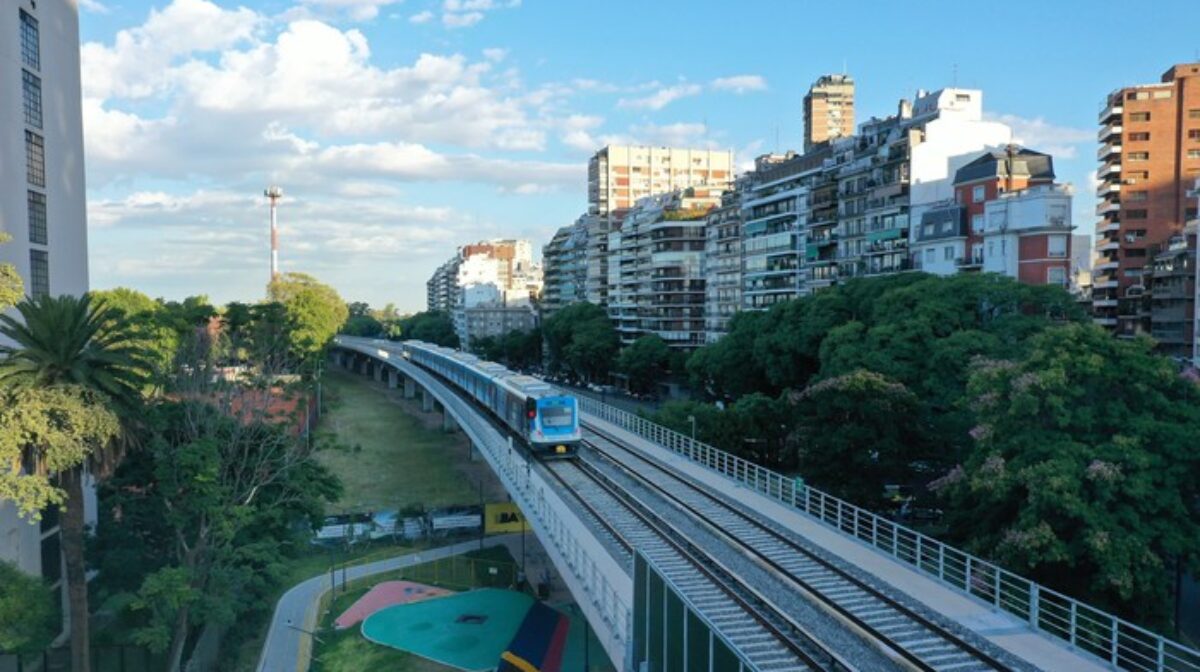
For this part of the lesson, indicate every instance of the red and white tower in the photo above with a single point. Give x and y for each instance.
(274, 193)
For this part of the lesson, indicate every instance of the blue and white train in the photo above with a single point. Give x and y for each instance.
(547, 421)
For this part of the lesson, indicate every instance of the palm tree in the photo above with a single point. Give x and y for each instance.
(72, 341)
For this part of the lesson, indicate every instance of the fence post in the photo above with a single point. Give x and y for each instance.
(1033, 604)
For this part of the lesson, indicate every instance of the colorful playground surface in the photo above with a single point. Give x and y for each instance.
(467, 630)
(386, 594)
(471, 630)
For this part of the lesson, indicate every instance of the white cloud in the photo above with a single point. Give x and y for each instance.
(1043, 136)
(739, 83)
(464, 20)
(421, 17)
(359, 10)
(94, 6)
(662, 97)
(495, 55)
(672, 135)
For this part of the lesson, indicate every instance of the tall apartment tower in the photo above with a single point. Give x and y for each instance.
(1149, 156)
(828, 110)
(42, 205)
(620, 175)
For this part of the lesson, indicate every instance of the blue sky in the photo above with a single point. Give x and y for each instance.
(400, 129)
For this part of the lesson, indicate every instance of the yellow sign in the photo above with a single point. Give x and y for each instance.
(502, 518)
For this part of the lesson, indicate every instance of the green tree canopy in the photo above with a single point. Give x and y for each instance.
(1085, 472)
(11, 287)
(28, 615)
(315, 312)
(431, 327)
(645, 361)
(580, 338)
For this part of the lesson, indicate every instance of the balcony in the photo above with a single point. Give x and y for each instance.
(970, 262)
(1107, 188)
(1108, 169)
(1108, 130)
(1110, 110)
(1104, 283)
(1108, 226)
(1107, 245)
(1105, 321)
(1104, 303)
(1113, 149)
(1105, 265)
(1107, 207)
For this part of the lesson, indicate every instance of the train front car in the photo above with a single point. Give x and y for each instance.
(555, 429)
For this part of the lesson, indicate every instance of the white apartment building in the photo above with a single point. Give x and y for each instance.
(42, 202)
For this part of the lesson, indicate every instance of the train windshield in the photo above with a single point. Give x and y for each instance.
(556, 416)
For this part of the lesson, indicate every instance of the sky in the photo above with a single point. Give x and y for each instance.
(402, 129)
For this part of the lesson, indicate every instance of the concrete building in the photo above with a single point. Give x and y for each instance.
(657, 266)
(564, 264)
(954, 235)
(42, 205)
(1149, 155)
(722, 265)
(774, 209)
(491, 320)
(620, 175)
(828, 110)
(441, 290)
(1171, 296)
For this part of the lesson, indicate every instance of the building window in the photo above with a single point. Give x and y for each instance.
(1134, 214)
(1056, 275)
(1161, 95)
(977, 194)
(37, 218)
(39, 273)
(948, 254)
(1139, 116)
(1133, 176)
(1138, 156)
(1193, 154)
(30, 54)
(1139, 137)
(31, 92)
(977, 223)
(1193, 114)
(1056, 246)
(930, 255)
(1137, 195)
(35, 159)
(1194, 134)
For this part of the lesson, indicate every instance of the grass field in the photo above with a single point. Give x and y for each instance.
(386, 458)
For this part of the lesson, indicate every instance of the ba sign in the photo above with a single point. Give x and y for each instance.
(503, 518)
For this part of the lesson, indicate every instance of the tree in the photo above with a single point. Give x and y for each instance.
(857, 433)
(11, 287)
(149, 325)
(362, 325)
(73, 343)
(645, 361)
(580, 338)
(28, 614)
(1084, 471)
(431, 327)
(315, 312)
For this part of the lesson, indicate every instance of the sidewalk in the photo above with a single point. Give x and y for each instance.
(288, 647)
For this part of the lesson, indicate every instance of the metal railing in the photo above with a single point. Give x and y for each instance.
(1109, 638)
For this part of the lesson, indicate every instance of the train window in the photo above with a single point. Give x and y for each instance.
(556, 416)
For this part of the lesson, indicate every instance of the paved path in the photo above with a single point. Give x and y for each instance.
(289, 646)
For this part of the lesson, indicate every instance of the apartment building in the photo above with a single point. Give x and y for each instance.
(1170, 298)
(722, 265)
(441, 290)
(1149, 153)
(955, 235)
(564, 263)
(620, 175)
(657, 268)
(774, 220)
(42, 205)
(828, 110)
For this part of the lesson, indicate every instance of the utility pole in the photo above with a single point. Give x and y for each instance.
(274, 193)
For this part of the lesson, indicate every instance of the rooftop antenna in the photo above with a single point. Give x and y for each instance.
(274, 193)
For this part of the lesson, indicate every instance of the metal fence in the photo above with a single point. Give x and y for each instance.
(1114, 640)
(463, 573)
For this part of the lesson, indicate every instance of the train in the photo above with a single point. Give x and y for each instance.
(543, 418)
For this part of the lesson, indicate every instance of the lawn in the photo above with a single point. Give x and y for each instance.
(387, 458)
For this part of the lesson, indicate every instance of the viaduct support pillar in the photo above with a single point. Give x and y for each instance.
(426, 401)
(449, 424)
(393, 378)
(410, 388)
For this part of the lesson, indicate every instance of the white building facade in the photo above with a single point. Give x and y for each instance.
(42, 202)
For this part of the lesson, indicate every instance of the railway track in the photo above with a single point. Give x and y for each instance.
(916, 640)
(767, 637)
